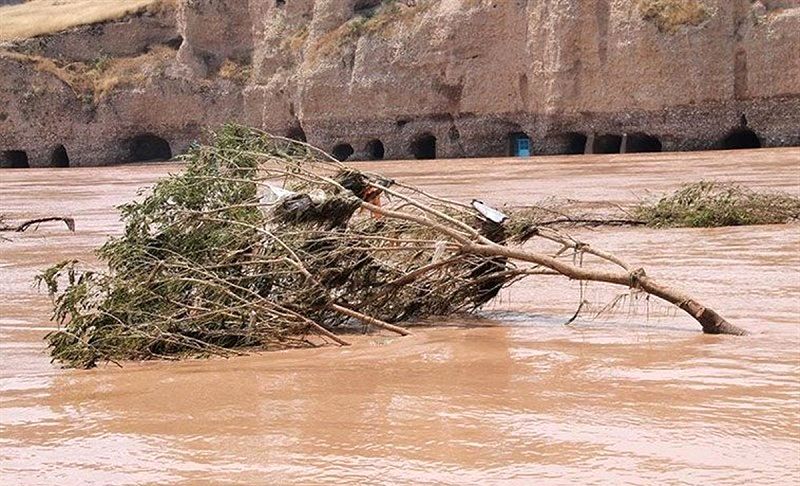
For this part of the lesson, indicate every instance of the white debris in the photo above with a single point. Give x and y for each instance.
(273, 194)
(489, 212)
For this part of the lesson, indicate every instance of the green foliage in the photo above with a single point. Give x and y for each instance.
(710, 204)
(139, 308)
(206, 267)
(101, 63)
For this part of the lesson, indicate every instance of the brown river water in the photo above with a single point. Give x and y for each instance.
(512, 396)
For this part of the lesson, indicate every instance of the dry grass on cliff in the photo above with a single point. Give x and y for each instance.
(38, 17)
(670, 15)
(127, 72)
(294, 42)
(95, 80)
(385, 19)
(234, 70)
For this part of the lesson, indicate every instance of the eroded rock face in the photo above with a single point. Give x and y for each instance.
(462, 74)
(90, 43)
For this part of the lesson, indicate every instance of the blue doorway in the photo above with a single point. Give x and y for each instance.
(520, 145)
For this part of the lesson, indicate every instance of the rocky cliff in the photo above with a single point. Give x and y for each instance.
(409, 79)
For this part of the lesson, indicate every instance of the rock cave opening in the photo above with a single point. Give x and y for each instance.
(519, 144)
(175, 43)
(375, 150)
(607, 144)
(146, 147)
(297, 133)
(14, 159)
(366, 7)
(741, 138)
(424, 147)
(642, 142)
(576, 144)
(59, 157)
(342, 152)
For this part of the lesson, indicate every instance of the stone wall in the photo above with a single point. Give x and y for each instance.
(468, 72)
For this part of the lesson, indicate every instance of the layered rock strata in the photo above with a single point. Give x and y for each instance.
(408, 79)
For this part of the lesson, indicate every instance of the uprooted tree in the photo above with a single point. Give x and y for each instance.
(265, 242)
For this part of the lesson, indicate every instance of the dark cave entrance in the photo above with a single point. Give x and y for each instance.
(741, 138)
(148, 147)
(424, 147)
(342, 152)
(375, 150)
(14, 159)
(576, 144)
(607, 144)
(642, 142)
(59, 157)
(175, 43)
(297, 133)
(366, 7)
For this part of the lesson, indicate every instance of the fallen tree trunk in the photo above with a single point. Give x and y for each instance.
(711, 321)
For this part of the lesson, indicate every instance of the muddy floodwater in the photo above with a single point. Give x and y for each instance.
(512, 396)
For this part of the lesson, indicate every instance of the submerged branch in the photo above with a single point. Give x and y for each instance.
(69, 222)
(369, 320)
